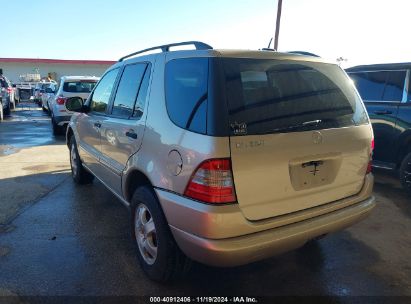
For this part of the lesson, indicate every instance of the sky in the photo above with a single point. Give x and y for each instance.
(361, 31)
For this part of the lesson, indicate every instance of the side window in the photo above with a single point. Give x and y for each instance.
(381, 85)
(409, 90)
(394, 86)
(102, 92)
(128, 89)
(186, 93)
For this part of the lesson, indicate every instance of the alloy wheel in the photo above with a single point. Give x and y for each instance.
(73, 160)
(145, 233)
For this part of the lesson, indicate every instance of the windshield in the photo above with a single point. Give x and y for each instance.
(266, 96)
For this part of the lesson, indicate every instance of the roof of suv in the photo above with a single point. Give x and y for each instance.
(264, 54)
(381, 66)
(204, 50)
(79, 78)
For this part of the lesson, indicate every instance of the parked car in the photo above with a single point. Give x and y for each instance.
(70, 86)
(386, 91)
(38, 92)
(40, 89)
(225, 157)
(47, 95)
(7, 94)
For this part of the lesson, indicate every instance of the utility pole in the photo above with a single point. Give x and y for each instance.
(277, 25)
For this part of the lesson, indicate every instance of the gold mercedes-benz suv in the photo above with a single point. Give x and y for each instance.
(225, 157)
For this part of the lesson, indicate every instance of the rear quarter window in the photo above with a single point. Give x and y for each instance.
(186, 86)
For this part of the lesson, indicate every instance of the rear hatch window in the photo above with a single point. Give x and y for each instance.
(269, 96)
(79, 86)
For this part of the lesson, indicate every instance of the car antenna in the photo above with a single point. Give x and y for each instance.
(268, 48)
(271, 40)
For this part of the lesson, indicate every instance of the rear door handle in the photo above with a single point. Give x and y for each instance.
(131, 134)
(382, 112)
(97, 124)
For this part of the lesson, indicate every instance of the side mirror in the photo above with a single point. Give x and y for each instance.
(75, 104)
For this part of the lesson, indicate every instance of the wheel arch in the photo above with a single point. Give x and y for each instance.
(404, 146)
(134, 179)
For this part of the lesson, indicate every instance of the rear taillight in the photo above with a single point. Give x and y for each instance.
(61, 100)
(212, 182)
(9, 90)
(369, 167)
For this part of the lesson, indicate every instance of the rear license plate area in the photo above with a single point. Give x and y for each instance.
(312, 174)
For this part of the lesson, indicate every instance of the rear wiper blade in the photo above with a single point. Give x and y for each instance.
(299, 126)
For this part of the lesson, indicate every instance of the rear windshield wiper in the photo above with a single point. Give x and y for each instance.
(302, 125)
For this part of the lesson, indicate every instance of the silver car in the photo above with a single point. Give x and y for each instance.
(225, 157)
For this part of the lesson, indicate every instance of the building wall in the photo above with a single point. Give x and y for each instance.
(12, 70)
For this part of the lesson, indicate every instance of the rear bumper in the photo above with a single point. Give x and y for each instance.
(250, 248)
(62, 120)
(222, 236)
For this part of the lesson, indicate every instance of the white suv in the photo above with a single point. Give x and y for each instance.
(70, 86)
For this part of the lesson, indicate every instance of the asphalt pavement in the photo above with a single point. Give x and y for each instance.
(60, 239)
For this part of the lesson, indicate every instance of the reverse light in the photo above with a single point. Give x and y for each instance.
(212, 182)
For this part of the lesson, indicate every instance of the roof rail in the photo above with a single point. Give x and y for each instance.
(166, 47)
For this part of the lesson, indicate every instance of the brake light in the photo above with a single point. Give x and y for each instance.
(61, 100)
(9, 90)
(212, 182)
(369, 167)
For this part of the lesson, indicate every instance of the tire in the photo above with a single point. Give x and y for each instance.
(158, 254)
(80, 175)
(6, 111)
(405, 173)
(57, 130)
